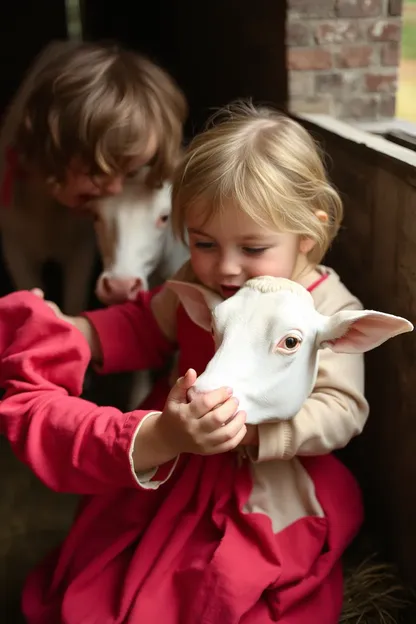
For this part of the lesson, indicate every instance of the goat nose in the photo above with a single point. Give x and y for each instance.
(112, 290)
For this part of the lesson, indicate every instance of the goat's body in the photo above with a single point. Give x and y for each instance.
(37, 231)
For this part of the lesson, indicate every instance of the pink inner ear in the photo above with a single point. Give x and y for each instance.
(355, 336)
(365, 333)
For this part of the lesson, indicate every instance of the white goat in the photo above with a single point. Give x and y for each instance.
(138, 249)
(270, 331)
(136, 241)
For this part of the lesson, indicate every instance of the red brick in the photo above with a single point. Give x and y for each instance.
(395, 7)
(337, 31)
(381, 83)
(308, 58)
(311, 8)
(387, 106)
(385, 30)
(390, 54)
(297, 34)
(359, 8)
(355, 56)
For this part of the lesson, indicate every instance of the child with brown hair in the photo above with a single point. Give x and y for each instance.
(174, 527)
(86, 118)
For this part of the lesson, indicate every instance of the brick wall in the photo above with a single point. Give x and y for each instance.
(343, 57)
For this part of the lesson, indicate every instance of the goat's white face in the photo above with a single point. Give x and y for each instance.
(131, 231)
(267, 338)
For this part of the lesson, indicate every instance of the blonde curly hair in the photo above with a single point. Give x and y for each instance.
(269, 166)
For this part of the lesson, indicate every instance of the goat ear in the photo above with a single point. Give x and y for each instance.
(358, 331)
(197, 300)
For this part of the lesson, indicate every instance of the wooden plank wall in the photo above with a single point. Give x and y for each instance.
(376, 256)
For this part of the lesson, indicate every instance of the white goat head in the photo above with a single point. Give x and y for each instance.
(135, 238)
(267, 338)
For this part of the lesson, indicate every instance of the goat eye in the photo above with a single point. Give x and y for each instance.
(162, 221)
(288, 344)
(291, 342)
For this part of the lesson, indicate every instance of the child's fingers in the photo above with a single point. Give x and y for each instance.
(189, 378)
(203, 403)
(182, 385)
(228, 432)
(232, 441)
(56, 309)
(38, 292)
(220, 416)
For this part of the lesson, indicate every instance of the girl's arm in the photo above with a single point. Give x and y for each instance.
(127, 336)
(72, 445)
(135, 335)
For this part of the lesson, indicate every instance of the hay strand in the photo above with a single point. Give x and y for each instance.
(373, 594)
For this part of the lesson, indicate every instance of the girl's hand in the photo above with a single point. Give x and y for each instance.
(206, 425)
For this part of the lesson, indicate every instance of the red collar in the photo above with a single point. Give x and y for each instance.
(318, 282)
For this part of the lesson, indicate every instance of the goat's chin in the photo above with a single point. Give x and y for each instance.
(259, 407)
(259, 412)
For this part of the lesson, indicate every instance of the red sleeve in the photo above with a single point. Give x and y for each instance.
(130, 337)
(70, 444)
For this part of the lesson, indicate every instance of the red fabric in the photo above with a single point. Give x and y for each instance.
(70, 444)
(129, 336)
(183, 554)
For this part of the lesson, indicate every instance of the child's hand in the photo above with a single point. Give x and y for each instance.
(207, 425)
(80, 322)
(69, 319)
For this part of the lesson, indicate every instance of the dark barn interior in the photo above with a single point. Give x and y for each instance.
(219, 52)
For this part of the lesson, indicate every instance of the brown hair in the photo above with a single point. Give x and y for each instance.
(268, 165)
(101, 104)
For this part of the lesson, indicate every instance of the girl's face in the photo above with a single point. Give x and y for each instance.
(231, 248)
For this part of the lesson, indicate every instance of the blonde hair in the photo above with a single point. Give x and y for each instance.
(266, 163)
(102, 105)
